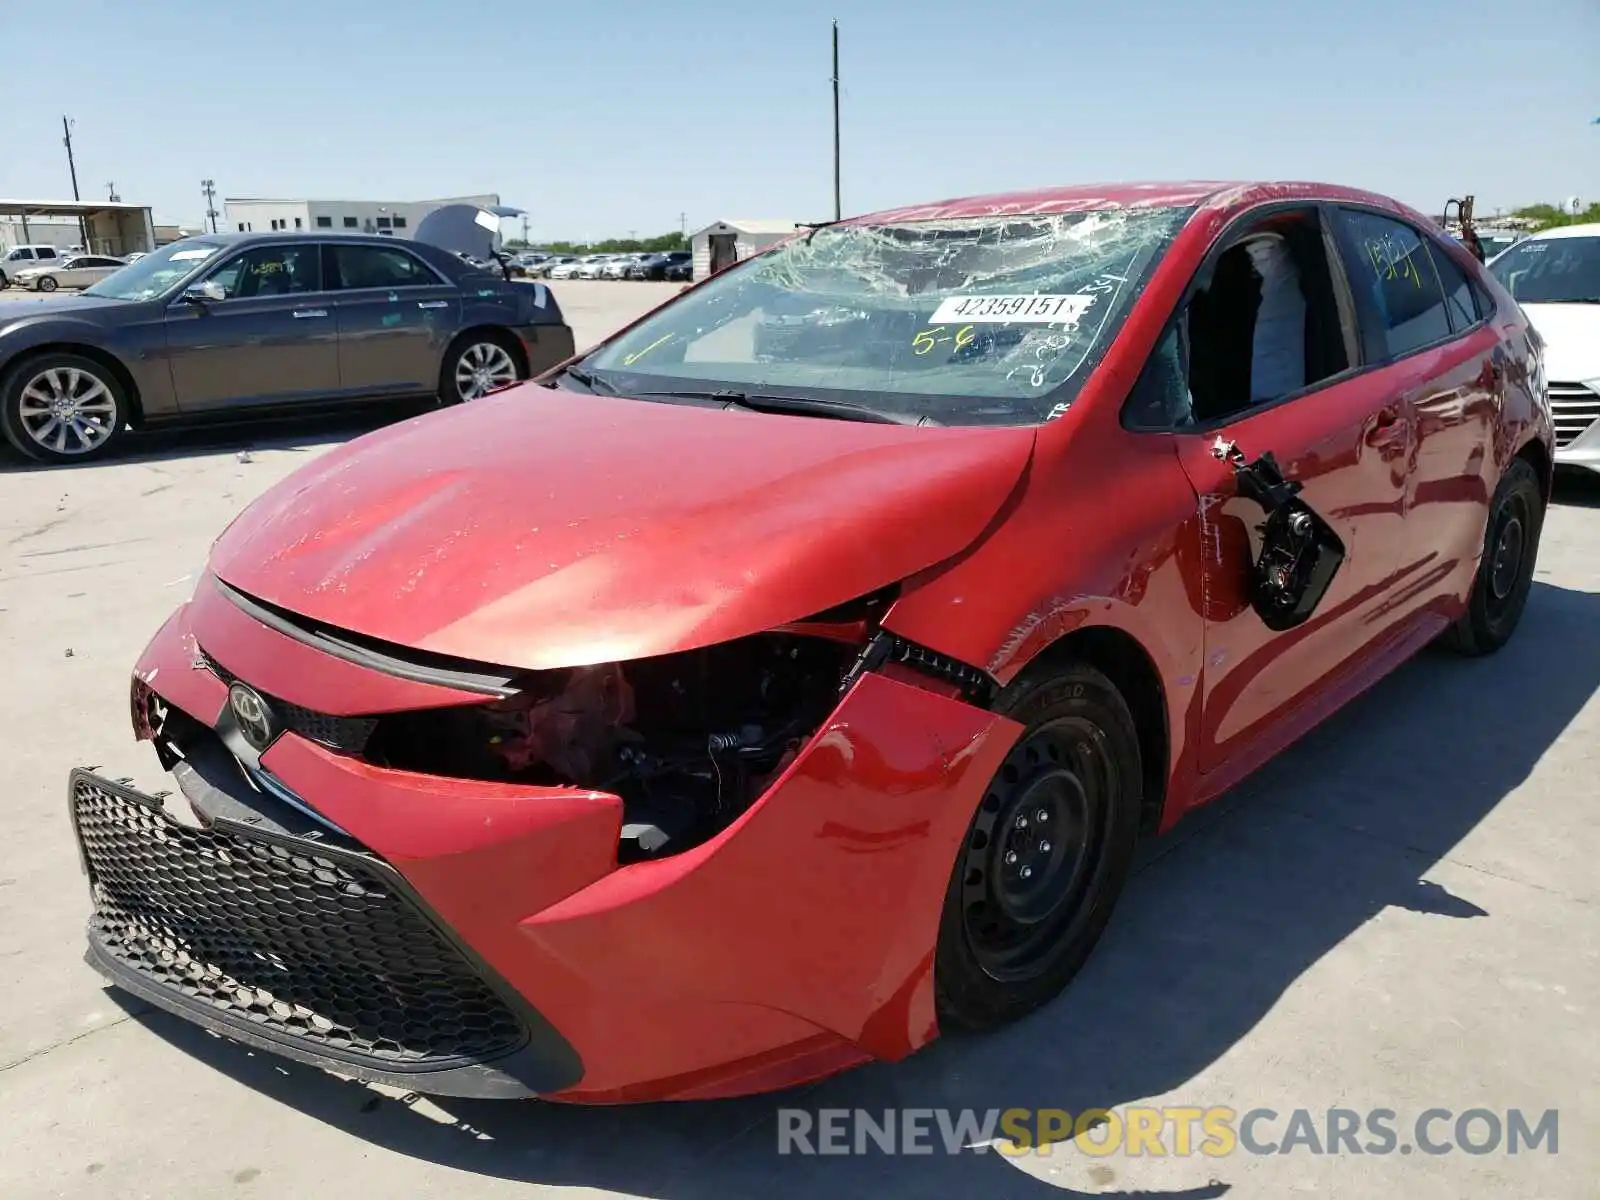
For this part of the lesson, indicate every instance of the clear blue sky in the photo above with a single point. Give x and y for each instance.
(601, 117)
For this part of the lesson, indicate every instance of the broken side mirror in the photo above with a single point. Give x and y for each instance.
(1300, 553)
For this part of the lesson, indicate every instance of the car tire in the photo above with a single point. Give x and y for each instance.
(478, 357)
(1505, 571)
(95, 398)
(4, 282)
(1024, 909)
(45, 283)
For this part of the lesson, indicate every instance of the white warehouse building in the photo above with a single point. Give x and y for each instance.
(394, 218)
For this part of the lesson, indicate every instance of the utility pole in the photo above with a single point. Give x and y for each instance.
(209, 190)
(838, 208)
(72, 166)
(524, 231)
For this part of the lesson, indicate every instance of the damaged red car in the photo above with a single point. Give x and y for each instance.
(790, 679)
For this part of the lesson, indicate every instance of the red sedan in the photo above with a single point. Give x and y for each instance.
(790, 679)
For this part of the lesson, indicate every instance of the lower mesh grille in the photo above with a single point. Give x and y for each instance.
(291, 939)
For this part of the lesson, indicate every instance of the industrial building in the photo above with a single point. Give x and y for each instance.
(95, 226)
(723, 243)
(394, 218)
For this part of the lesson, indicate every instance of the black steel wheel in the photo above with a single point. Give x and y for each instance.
(1505, 572)
(1046, 854)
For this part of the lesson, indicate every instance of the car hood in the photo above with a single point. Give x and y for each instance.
(542, 528)
(1572, 337)
(73, 303)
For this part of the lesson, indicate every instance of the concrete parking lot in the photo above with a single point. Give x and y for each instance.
(1399, 913)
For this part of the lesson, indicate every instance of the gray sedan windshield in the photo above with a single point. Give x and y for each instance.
(153, 274)
(972, 320)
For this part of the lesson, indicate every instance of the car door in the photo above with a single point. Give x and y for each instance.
(1263, 359)
(1423, 320)
(395, 314)
(267, 336)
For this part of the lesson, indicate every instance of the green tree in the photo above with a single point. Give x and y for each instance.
(667, 241)
(1549, 216)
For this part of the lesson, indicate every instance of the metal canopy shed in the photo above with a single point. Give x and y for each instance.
(725, 242)
(109, 226)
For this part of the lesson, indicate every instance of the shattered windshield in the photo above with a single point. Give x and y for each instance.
(965, 321)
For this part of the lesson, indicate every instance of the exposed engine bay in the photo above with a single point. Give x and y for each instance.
(687, 740)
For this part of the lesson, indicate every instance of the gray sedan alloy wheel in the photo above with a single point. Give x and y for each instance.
(68, 411)
(484, 367)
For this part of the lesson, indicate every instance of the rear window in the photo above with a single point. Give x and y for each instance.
(966, 321)
(1391, 269)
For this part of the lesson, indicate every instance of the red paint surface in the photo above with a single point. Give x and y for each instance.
(547, 528)
(544, 528)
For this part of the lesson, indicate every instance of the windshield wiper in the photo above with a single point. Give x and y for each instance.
(589, 381)
(809, 405)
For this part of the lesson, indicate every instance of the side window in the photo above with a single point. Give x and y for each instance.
(1393, 277)
(1458, 302)
(269, 271)
(378, 267)
(46, 253)
(1263, 324)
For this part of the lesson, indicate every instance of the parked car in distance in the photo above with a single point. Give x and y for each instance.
(594, 266)
(75, 271)
(709, 723)
(568, 268)
(1555, 277)
(682, 269)
(1497, 241)
(23, 258)
(654, 266)
(619, 266)
(228, 324)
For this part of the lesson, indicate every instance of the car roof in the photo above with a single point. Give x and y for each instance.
(1590, 229)
(1157, 194)
(321, 235)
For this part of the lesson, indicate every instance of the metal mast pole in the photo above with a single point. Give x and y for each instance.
(838, 207)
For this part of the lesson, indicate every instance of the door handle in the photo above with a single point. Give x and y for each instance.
(301, 314)
(433, 304)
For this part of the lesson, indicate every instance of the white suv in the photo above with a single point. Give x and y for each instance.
(21, 258)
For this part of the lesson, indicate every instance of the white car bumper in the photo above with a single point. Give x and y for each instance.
(1576, 409)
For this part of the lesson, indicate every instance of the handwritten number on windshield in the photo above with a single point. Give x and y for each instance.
(924, 341)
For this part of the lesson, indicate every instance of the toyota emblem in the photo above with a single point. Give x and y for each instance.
(252, 713)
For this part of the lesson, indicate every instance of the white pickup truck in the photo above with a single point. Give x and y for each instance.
(21, 258)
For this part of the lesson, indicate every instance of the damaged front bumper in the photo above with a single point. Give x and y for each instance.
(462, 937)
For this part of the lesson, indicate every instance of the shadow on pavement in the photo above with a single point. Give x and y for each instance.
(296, 432)
(1224, 915)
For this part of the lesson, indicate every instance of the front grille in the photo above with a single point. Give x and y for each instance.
(1574, 408)
(346, 734)
(308, 943)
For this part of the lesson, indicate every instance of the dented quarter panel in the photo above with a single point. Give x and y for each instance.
(541, 528)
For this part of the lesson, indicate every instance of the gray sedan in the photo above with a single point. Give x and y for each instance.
(218, 326)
